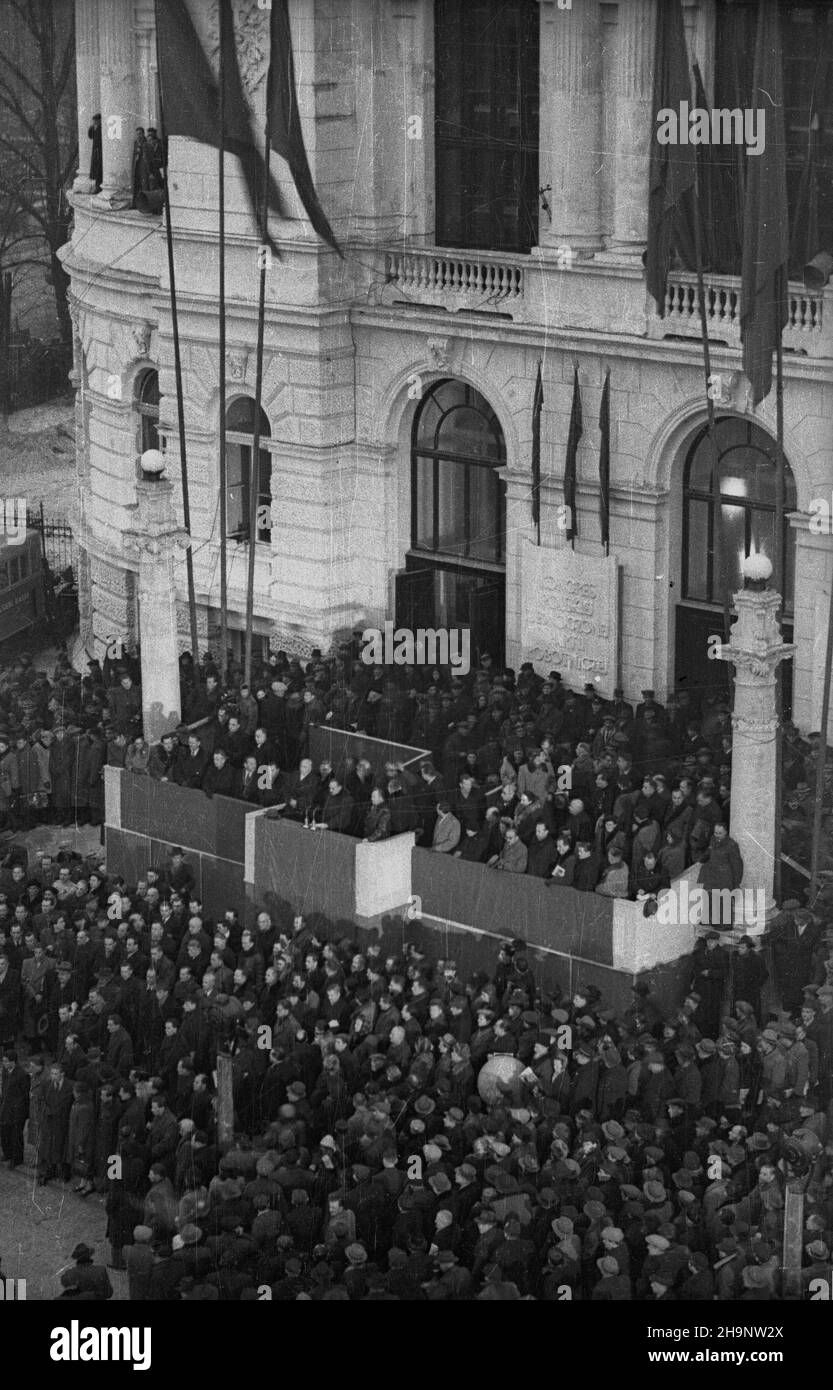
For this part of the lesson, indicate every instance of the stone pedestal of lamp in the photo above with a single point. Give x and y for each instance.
(755, 650)
(155, 541)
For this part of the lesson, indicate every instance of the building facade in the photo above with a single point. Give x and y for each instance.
(484, 164)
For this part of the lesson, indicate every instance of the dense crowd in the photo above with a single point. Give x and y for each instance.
(519, 772)
(401, 1132)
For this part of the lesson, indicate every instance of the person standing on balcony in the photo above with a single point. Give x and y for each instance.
(97, 154)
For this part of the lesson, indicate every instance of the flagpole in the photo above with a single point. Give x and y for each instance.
(711, 432)
(180, 400)
(815, 852)
(221, 180)
(255, 472)
(780, 571)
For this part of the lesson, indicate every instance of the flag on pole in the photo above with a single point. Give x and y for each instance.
(284, 120)
(672, 168)
(570, 466)
(537, 408)
(804, 237)
(766, 236)
(191, 93)
(719, 210)
(604, 463)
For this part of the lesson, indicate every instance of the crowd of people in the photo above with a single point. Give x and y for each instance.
(519, 771)
(400, 1131)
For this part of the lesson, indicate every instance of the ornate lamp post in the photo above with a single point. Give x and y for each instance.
(155, 542)
(755, 650)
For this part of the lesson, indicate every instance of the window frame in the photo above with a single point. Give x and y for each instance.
(146, 411)
(488, 148)
(436, 457)
(756, 439)
(239, 439)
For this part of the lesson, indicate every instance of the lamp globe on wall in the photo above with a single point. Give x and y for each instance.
(153, 465)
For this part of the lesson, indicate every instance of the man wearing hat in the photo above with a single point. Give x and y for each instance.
(614, 1285)
(710, 970)
(90, 1278)
(795, 938)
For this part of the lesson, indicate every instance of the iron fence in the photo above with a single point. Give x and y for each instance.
(57, 540)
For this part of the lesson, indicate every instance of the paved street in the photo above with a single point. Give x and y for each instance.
(39, 1228)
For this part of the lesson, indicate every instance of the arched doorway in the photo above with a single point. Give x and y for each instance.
(455, 569)
(748, 477)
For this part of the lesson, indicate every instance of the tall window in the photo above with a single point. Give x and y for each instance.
(807, 44)
(487, 124)
(457, 501)
(747, 492)
(240, 422)
(146, 405)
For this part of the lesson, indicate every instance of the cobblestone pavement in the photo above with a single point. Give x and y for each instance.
(40, 1227)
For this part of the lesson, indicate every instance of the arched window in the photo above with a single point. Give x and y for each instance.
(240, 424)
(146, 405)
(457, 506)
(747, 471)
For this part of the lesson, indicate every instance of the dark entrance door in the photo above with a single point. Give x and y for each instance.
(444, 595)
(705, 678)
(415, 597)
(487, 617)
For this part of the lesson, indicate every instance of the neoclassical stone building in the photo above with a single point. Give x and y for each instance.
(484, 164)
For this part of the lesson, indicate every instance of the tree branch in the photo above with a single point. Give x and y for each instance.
(66, 63)
(20, 76)
(8, 99)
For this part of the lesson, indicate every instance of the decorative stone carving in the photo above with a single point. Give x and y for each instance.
(157, 547)
(140, 334)
(724, 387)
(251, 36)
(236, 363)
(439, 351)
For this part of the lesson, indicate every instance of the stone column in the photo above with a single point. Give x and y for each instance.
(636, 33)
(755, 650)
(119, 103)
(155, 542)
(88, 83)
(571, 125)
(145, 29)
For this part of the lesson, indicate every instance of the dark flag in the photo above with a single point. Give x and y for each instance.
(537, 407)
(191, 94)
(672, 169)
(570, 466)
(720, 212)
(284, 120)
(604, 463)
(804, 238)
(766, 237)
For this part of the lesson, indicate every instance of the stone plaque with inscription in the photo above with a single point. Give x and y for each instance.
(569, 610)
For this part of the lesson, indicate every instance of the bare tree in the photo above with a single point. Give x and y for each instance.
(38, 137)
